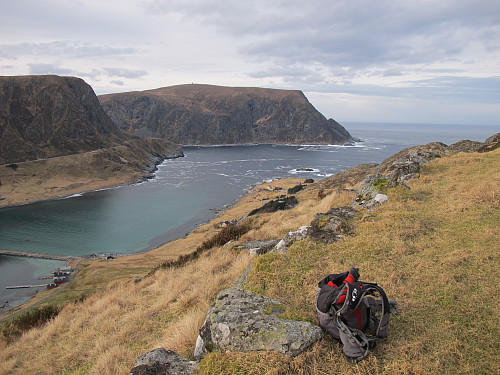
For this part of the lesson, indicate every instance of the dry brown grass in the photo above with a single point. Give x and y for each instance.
(433, 248)
(277, 224)
(105, 333)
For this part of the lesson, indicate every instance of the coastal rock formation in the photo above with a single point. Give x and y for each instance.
(213, 115)
(47, 116)
(259, 247)
(492, 143)
(330, 226)
(242, 321)
(290, 238)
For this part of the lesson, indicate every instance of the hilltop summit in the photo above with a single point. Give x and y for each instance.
(195, 114)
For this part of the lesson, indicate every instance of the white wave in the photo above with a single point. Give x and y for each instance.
(303, 170)
(73, 196)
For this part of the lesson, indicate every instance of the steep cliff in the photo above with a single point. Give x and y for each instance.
(46, 116)
(210, 115)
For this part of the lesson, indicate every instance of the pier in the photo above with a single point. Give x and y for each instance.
(28, 254)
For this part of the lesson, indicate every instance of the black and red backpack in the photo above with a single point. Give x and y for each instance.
(353, 312)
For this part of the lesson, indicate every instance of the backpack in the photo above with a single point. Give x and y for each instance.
(350, 313)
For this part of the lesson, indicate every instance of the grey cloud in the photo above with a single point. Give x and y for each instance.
(52, 68)
(466, 89)
(64, 48)
(355, 33)
(125, 73)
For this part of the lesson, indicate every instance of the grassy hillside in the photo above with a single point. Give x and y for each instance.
(433, 248)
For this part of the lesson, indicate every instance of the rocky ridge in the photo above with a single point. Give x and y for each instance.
(214, 115)
(56, 140)
(241, 321)
(47, 116)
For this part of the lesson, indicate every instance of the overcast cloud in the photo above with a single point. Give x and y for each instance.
(356, 60)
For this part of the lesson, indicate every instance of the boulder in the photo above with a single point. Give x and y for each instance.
(291, 237)
(329, 227)
(465, 146)
(373, 186)
(163, 362)
(259, 247)
(243, 321)
(493, 139)
(397, 170)
(492, 143)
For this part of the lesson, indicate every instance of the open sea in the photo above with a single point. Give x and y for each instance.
(185, 193)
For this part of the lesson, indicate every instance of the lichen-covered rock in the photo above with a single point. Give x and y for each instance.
(259, 247)
(163, 362)
(329, 227)
(290, 238)
(492, 143)
(396, 170)
(243, 321)
(494, 138)
(373, 186)
(465, 146)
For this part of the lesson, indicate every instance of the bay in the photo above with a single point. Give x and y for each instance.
(188, 191)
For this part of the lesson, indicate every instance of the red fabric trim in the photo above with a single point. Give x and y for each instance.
(359, 318)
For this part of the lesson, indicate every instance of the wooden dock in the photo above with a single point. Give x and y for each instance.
(28, 254)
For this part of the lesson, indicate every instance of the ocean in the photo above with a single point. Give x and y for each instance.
(187, 192)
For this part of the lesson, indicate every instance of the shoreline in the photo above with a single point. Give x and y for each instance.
(251, 195)
(73, 185)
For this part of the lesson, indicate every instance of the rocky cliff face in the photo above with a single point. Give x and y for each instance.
(46, 116)
(211, 115)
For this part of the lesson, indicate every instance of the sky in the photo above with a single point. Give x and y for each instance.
(413, 61)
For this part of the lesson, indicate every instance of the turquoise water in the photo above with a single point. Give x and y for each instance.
(187, 192)
(23, 271)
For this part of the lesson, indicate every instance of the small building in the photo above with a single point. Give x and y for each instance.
(66, 270)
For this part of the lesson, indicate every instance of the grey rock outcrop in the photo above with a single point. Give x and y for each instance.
(293, 236)
(242, 321)
(213, 115)
(259, 247)
(396, 170)
(330, 226)
(163, 362)
(492, 143)
(494, 138)
(465, 146)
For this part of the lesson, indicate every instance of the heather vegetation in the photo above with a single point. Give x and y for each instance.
(433, 247)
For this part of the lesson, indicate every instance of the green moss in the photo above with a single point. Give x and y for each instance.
(321, 222)
(381, 185)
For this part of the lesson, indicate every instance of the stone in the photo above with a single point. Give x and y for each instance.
(330, 226)
(243, 321)
(296, 235)
(163, 362)
(397, 170)
(381, 198)
(493, 139)
(259, 247)
(465, 146)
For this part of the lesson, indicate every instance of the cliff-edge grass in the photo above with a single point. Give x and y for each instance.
(433, 248)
